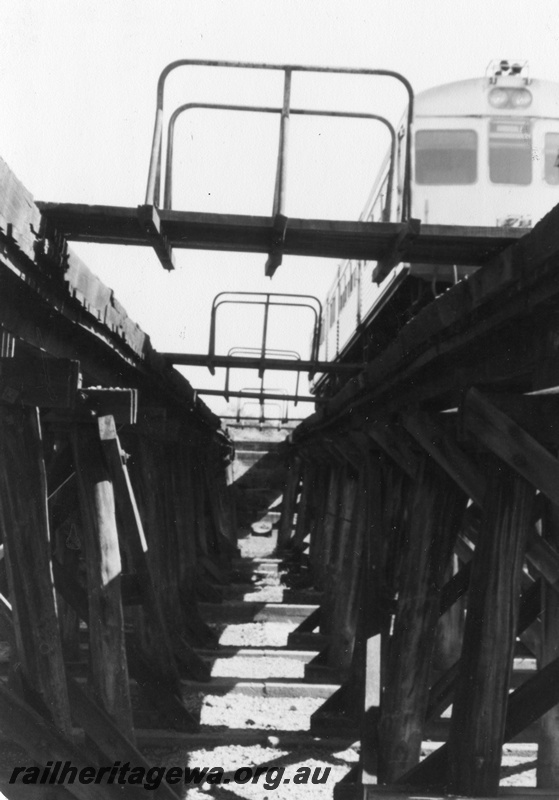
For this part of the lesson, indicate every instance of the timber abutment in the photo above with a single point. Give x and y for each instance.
(114, 512)
(429, 488)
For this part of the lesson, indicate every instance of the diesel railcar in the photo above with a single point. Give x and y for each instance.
(485, 152)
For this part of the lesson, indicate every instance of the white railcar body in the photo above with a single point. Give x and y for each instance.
(485, 152)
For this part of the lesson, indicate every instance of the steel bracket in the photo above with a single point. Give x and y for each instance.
(149, 219)
(397, 252)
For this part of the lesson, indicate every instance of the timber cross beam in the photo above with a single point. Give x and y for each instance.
(164, 229)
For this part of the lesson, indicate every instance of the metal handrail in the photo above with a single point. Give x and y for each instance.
(267, 302)
(257, 419)
(251, 351)
(251, 394)
(168, 185)
(281, 406)
(154, 175)
(236, 351)
(267, 394)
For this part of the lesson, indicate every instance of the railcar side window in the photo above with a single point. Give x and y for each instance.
(551, 168)
(322, 327)
(445, 157)
(510, 151)
(343, 292)
(332, 311)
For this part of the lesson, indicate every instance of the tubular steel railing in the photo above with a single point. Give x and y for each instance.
(257, 394)
(254, 351)
(153, 190)
(268, 300)
(168, 183)
(282, 407)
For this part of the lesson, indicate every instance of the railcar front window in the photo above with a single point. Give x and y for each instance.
(510, 151)
(551, 173)
(445, 157)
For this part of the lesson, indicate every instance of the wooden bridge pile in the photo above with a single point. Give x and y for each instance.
(114, 511)
(429, 485)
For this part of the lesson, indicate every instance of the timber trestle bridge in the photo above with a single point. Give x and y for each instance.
(419, 512)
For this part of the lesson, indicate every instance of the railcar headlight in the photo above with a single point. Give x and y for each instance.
(521, 98)
(510, 98)
(498, 98)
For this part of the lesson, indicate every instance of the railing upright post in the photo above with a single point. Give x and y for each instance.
(154, 166)
(264, 337)
(279, 194)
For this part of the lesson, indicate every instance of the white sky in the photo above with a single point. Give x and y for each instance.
(77, 82)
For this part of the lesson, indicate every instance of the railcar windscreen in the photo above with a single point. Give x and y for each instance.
(510, 151)
(551, 173)
(445, 157)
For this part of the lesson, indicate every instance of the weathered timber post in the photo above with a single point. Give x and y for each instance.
(374, 618)
(534, 697)
(307, 506)
(204, 533)
(25, 528)
(108, 664)
(436, 510)
(154, 636)
(548, 744)
(64, 517)
(160, 488)
(151, 474)
(359, 697)
(32, 731)
(330, 521)
(398, 488)
(43, 742)
(147, 454)
(224, 503)
(192, 563)
(480, 700)
(342, 543)
(187, 557)
(349, 581)
(203, 544)
(180, 581)
(289, 501)
(317, 532)
(450, 628)
(221, 538)
(69, 621)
